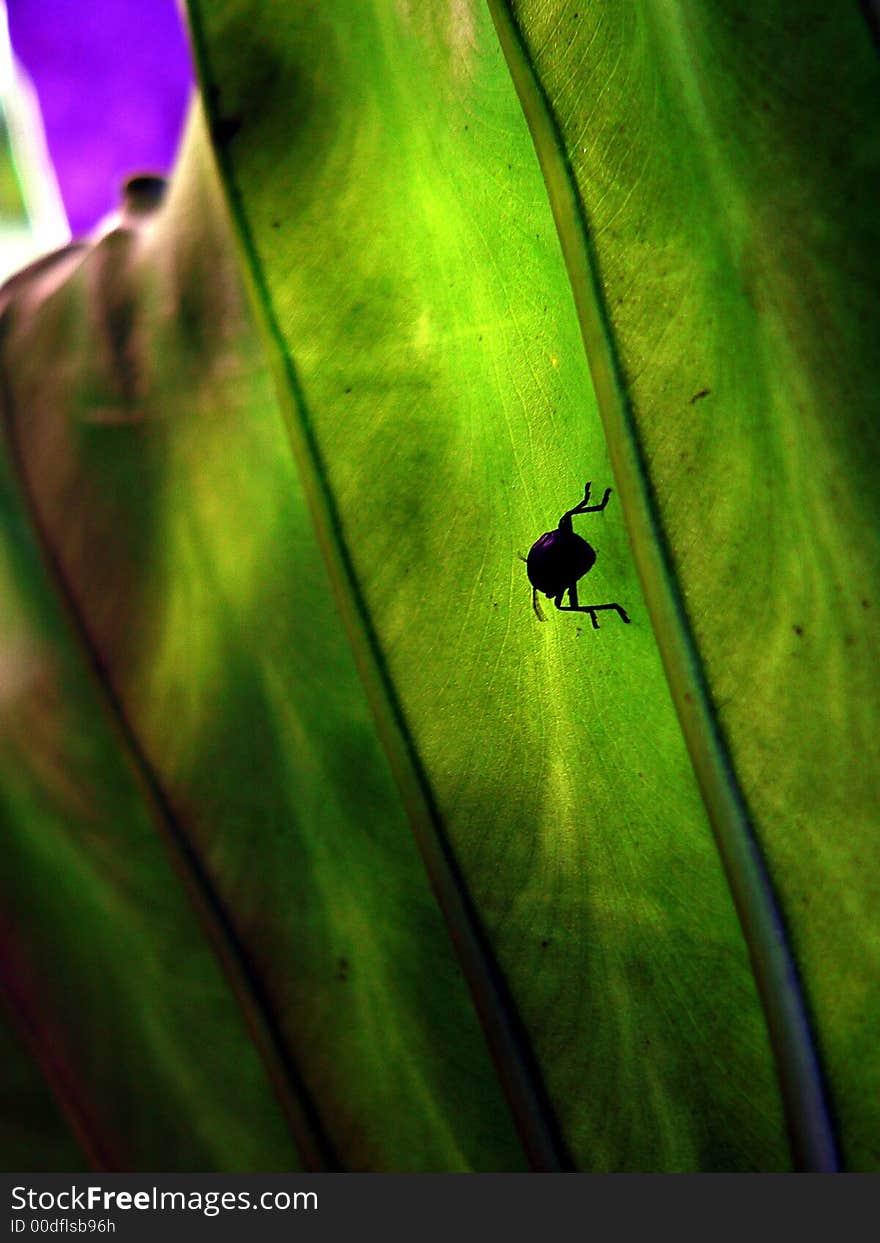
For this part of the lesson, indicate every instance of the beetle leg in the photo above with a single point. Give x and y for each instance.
(583, 508)
(574, 607)
(536, 605)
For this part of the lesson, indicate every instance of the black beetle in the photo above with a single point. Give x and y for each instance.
(560, 558)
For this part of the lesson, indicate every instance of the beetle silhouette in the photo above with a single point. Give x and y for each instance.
(559, 560)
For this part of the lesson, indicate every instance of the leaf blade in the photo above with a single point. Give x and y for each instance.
(94, 917)
(358, 400)
(695, 248)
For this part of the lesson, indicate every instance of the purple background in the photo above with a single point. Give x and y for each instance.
(113, 77)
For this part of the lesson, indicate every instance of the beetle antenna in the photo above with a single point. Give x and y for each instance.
(536, 604)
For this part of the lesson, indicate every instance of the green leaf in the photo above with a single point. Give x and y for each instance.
(442, 409)
(33, 1135)
(112, 981)
(722, 236)
(267, 564)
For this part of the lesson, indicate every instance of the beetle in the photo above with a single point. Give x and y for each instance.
(559, 559)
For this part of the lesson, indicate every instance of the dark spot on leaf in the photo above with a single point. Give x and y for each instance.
(544, 945)
(799, 630)
(276, 224)
(688, 697)
(849, 640)
(348, 390)
(866, 604)
(704, 392)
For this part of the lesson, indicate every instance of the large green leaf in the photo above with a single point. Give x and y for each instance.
(168, 495)
(718, 212)
(107, 972)
(299, 642)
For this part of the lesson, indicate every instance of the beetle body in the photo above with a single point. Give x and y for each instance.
(557, 560)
